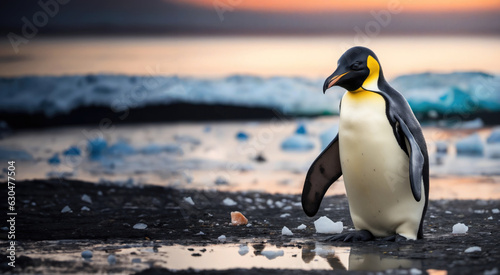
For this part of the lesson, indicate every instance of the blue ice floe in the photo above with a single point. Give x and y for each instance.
(301, 129)
(493, 144)
(96, 147)
(297, 143)
(242, 136)
(120, 148)
(14, 154)
(427, 93)
(471, 146)
(54, 160)
(72, 151)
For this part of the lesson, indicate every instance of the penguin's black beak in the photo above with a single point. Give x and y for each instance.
(334, 78)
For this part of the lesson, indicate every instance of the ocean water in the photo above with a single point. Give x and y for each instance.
(56, 75)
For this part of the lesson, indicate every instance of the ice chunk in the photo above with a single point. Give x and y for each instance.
(72, 151)
(297, 143)
(200, 233)
(441, 147)
(471, 145)
(189, 200)
(473, 249)
(279, 204)
(242, 136)
(493, 271)
(85, 208)
(472, 124)
(327, 226)
(66, 209)
(54, 160)
(301, 129)
(492, 150)
(494, 136)
(460, 228)
(229, 202)
(14, 154)
(187, 139)
(285, 215)
(243, 250)
(270, 254)
(87, 254)
(301, 227)
(120, 148)
(140, 226)
(96, 147)
(327, 136)
(86, 198)
(415, 271)
(286, 232)
(152, 149)
(221, 181)
(495, 211)
(222, 238)
(112, 259)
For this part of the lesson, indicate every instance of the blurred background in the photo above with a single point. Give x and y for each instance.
(227, 94)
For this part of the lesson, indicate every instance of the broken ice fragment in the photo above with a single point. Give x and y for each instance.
(301, 227)
(460, 228)
(87, 254)
(222, 238)
(140, 226)
(327, 226)
(473, 249)
(189, 200)
(111, 259)
(66, 209)
(86, 198)
(286, 232)
(229, 202)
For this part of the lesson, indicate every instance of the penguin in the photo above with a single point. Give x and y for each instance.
(381, 152)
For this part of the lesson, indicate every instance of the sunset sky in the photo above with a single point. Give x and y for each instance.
(358, 5)
(131, 17)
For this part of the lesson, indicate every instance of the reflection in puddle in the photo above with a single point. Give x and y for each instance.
(309, 256)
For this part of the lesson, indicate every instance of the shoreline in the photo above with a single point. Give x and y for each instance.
(172, 220)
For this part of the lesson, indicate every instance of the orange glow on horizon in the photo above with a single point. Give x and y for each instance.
(360, 5)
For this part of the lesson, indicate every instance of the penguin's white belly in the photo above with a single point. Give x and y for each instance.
(376, 169)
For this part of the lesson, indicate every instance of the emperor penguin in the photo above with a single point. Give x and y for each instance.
(381, 152)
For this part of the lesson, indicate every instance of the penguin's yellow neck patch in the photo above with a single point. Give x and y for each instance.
(371, 82)
(361, 95)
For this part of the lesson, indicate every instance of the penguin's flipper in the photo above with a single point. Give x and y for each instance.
(324, 171)
(417, 161)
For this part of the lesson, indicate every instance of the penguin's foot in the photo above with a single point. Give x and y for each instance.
(395, 238)
(357, 236)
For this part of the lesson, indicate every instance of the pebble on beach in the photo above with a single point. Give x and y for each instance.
(238, 219)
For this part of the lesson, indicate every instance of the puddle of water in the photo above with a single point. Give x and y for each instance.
(137, 257)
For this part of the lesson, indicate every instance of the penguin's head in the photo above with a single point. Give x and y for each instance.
(357, 67)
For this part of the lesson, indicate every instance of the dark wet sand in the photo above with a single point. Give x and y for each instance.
(170, 219)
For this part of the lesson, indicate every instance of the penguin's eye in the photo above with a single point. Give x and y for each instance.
(356, 66)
